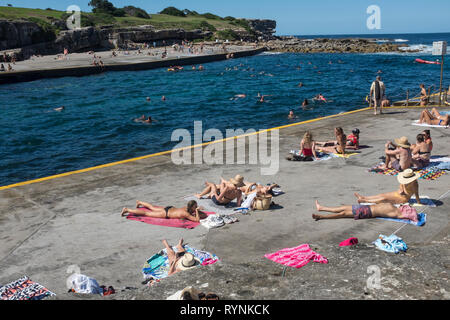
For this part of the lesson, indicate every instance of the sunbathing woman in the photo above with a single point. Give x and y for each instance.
(357, 212)
(408, 187)
(225, 192)
(421, 152)
(337, 146)
(434, 118)
(251, 187)
(191, 212)
(307, 149)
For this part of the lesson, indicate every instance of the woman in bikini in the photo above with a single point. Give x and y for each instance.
(423, 95)
(337, 146)
(191, 212)
(251, 187)
(225, 192)
(408, 187)
(307, 149)
(428, 140)
(434, 118)
(421, 152)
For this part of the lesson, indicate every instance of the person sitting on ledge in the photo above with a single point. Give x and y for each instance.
(338, 146)
(357, 212)
(408, 187)
(398, 155)
(224, 193)
(191, 212)
(2, 68)
(434, 118)
(307, 149)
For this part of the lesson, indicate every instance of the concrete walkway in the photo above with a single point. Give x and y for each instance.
(75, 220)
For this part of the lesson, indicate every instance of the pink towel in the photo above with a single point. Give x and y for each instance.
(176, 223)
(296, 257)
(349, 242)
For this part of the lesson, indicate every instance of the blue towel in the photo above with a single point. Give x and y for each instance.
(392, 244)
(422, 219)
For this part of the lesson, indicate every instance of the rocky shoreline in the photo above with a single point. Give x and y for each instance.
(325, 45)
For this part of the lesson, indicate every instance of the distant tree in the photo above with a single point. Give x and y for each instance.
(210, 16)
(10, 5)
(136, 12)
(172, 11)
(102, 6)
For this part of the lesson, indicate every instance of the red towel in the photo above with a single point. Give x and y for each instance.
(349, 242)
(176, 223)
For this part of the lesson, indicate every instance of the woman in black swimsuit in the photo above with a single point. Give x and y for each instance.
(421, 152)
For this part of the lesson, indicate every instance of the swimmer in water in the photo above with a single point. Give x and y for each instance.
(262, 98)
(300, 84)
(163, 98)
(305, 104)
(59, 109)
(200, 67)
(291, 115)
(148, 98)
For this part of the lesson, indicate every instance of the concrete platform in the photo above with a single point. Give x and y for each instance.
(75, 220)
(80, 64)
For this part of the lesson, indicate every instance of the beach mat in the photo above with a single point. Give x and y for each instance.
(24, 289)
(175, 223)
(422, 219)
(427, 173)
(321, 156)
(157, 266)
(416, 123)
(427, 201)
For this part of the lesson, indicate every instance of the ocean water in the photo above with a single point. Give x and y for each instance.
(97, 125)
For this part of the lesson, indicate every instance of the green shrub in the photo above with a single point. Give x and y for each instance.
(210, 16)
(205, 26)
(172, 11)
(227, 34)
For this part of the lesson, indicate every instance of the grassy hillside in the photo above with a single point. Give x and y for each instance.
(159, 21)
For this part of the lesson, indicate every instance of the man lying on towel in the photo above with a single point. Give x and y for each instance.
(357, 212)
(190, 212)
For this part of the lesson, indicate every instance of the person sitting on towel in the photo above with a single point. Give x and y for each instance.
(191, 212)
(307, 149)
(338, 146)
(434, 118)
(421, 152)
(408, 187)
(180, 260)
(353, 140)
(224, 193)
(357, 212)
(400, 158)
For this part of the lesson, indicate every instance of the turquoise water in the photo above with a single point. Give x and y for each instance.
(97, 125)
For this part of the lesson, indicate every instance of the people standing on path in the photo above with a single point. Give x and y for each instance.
(377, 94)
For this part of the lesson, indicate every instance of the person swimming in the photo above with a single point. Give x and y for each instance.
(291, 115)
(59, 109)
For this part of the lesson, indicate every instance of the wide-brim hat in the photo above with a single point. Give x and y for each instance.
(402, 142)
(194, 293)
(238, 181)
(407, 176)
(187, 261)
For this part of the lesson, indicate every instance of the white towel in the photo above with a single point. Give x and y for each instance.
(416, 123)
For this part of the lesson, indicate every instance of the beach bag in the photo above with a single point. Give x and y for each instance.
(80, 283)
(262, 202)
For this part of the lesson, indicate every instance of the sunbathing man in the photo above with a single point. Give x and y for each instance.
(191, 212)
(400, 158)
(357, 212)
(180, 260)
(408, 187)
(434, 118)
(421, 152)
(337, 146)
(225, 192)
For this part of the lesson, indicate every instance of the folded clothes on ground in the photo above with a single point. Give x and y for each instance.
(157, 266)
(24, 289)
(392, 244)
(349, 242)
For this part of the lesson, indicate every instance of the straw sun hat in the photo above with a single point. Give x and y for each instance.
(187, 261)
(402, 142)
(407, 176)
(238, 181)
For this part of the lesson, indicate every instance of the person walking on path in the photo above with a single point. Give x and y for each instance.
(377, 94)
